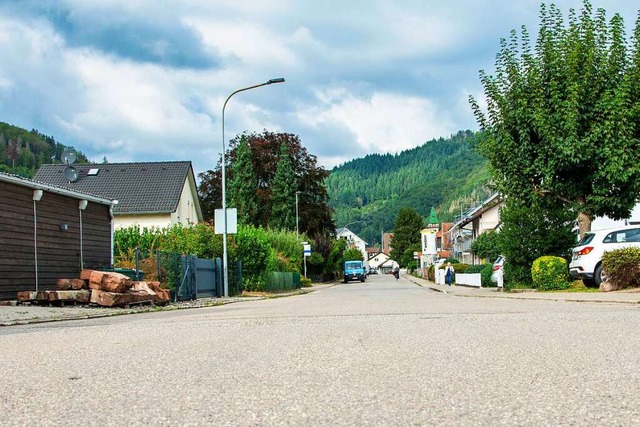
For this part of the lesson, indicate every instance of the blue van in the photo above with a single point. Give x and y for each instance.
(354, 270)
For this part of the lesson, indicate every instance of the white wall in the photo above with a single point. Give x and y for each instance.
(600, 223)
(125, 221)
(186, 213)
(490, 219)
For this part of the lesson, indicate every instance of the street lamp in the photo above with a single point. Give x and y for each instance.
(224, 184)
(297, 230)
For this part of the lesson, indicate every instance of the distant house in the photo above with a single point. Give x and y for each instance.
(353, 240)
(154, 194)
(48, 233)
(482, 218)
(444, 244)
(378, 260)
(372, 252)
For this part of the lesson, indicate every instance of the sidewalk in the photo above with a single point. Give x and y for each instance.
(631, 296)
(11, 315)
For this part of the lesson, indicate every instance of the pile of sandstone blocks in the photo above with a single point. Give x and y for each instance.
(103, 288)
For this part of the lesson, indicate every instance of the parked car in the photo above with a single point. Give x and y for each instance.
(586, 261)
(498, 270)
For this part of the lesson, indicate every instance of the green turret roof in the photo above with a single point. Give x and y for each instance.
(433, 218)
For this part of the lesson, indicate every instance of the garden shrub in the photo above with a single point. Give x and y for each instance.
(485, 271)
(458, 267)
(550, 273)
(622, 267)
(431, 275)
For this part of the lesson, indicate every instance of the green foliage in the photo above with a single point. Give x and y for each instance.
(563, 120)
(431, 275)
(335, 258)
(452, 261)
(622, 267)
(283, 198)
(261, 251)
(251, 246)
(287, 245)
(485, 271)
(486, 246)
(445, 173)
(550, 273)
(22, 152)
(529, 232)
(457, 267)
(266, 149)
(243, 186)
(406, 235)
(305, 282)
(352, 254)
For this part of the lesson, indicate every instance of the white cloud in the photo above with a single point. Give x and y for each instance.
(381, 122)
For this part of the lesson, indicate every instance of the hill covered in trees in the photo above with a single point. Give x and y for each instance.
(22, 151)
(447, 174)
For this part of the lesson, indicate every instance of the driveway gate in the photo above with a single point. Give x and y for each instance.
(202, 278)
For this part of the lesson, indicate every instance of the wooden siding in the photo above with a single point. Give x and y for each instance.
(58, 251)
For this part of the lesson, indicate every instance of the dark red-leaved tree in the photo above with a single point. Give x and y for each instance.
(313, 212)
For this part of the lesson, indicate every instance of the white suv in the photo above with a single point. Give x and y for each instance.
(586, 262)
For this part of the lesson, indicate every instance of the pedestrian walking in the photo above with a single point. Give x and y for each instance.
(448, 274)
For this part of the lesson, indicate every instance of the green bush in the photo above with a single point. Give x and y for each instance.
(458, 267)
(485, 271)
(550, 273)
(622, 267)
(431, 275)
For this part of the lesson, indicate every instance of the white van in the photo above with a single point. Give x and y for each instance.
(586, 262)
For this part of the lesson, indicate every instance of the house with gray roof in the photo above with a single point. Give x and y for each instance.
(150, 194)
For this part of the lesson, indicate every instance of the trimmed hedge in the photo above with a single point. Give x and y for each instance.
(458, 267)
(550, 273)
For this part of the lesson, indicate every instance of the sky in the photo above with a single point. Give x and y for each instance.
(146, 80)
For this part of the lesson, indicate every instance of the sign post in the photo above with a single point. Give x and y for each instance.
(307, 252)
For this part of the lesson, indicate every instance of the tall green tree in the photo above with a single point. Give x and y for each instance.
(563, 118)
(243, 186)
(406, 235)
(530, 231)
(315, 215)
(283, 194)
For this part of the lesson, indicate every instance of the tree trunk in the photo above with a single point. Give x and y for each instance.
(584, 223)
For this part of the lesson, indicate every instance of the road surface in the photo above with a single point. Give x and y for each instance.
(383, 352)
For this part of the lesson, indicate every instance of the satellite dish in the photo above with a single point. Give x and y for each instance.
(71, 174)
(68, 157)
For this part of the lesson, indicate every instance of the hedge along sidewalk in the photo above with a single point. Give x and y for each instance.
(627, 296)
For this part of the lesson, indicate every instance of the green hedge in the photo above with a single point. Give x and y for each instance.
(622, 267)
(485, 271)
(550, 273)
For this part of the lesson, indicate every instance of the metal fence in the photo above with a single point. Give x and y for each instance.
(278, 281)
(189, 277)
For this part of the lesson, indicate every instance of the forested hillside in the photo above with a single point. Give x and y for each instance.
(22, 152)
(443, 173)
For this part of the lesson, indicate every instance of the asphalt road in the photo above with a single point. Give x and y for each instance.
(383, 352)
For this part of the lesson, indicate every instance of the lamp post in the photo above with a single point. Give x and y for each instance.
(224, 184)
(297, 229)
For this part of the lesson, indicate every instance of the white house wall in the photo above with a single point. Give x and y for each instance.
(148, 221)
(600, 223)
(490, 219)
(186, 213)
